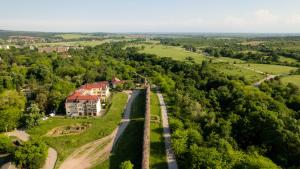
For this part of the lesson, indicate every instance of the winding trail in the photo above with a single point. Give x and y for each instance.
(256, 84)
(171, 160)
(99, 150)
(52, 154)
(269, 77)
(51, 159)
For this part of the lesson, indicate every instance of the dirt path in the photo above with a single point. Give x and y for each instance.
(256, 84)
(171, 160)
(269, 77)
(52, 154)
(20, 134)
(51, 159)
(99, 150)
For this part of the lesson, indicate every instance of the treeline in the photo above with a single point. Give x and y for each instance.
(34, 84)
(267, 50)
(218, 121)
(31, 79)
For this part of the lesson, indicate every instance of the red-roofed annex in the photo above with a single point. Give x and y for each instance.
(86, 100)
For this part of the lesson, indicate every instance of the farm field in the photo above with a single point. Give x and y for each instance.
(229, 60)
(157, 145)
(295, 79)
(270, 69)
(130, 144)
(288, 60)
(69, 36)
(176, 53)
(82, 42)
(238, 71)
(66, 144)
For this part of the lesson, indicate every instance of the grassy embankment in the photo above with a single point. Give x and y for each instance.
(130, 145)
(157, 144)
(100, 127)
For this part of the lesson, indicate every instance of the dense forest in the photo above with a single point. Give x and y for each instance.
(217, 120)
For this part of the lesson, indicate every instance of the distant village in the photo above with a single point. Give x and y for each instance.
(20, 42)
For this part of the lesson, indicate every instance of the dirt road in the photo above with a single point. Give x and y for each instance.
(52, 154)
(269, 77)
(51, 159)
(99, 150)
(20, 134)
(171, 160)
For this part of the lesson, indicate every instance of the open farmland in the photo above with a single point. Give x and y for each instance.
(69, 36)
(295, 79)
(82, 42)
(288, 60)
(176, 53)
(270, 69)
(233, 70)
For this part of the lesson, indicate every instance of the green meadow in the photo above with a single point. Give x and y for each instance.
(176, 53)
(295, 79)
(270, 69)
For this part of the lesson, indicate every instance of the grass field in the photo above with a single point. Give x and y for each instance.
(76, 43)
(176, 53)
(82, 42)
(288, 60)
(271, 69)
(130, 145)
(295, 79)
(232, 70)
(100, 127)
(69, 36)
(157, 144)
(230, 60)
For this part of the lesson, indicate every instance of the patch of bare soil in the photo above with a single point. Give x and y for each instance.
(69, 129)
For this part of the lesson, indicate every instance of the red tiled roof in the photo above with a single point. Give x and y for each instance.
(76, 96)
(90, 86)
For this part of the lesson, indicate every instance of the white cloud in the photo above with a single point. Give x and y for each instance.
(261, 20)
(264, 16)
(294, 19)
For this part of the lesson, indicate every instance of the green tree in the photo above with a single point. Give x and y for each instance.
(126, 165)
(31, 154)
(6, 145)
(32, 116)
(11, 109)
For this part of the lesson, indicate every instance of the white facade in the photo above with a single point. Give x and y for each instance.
(83, 108)
(86, 101)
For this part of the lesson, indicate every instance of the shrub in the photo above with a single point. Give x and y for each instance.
(31, 154)
(126, 165)
(6, 145)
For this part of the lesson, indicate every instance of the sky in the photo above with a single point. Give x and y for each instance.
(197, 16)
